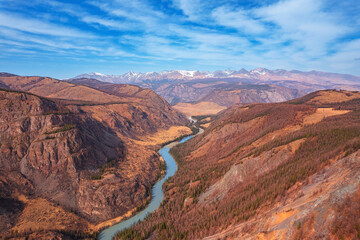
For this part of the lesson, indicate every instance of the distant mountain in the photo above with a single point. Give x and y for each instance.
(193, 86)
(313, 77)
(250, 93)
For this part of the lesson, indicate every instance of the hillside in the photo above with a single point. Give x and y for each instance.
(267, 171)
(130, 109)
(48, 151)
(222, 96)
(85, 153)
(249, 93)
(226, 93)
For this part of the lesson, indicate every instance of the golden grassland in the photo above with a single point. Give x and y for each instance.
(322, 113)
(201, 108)
(325, 97)
(40, 213)
(113, 221)
(164, 136)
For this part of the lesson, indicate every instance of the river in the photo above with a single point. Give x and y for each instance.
(157, 193)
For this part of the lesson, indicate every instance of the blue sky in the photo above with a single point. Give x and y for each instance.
(64, 38)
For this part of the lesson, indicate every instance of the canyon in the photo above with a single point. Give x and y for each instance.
(266, 171)
(88, 154)
(80, 155)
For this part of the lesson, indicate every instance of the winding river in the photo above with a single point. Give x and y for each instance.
(157, 193)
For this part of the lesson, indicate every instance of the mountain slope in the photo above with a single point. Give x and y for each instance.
(251, 94)
(49, 151)
(141, 102)
(268, 171)
(97, 158)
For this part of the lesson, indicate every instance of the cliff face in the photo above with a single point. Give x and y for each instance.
(138, 112)
(83, 149)
(53, 149)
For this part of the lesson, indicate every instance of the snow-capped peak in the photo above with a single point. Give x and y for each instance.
(261, 71)
(131, 74)
(98, 74)
(187, 73)
(229, 71)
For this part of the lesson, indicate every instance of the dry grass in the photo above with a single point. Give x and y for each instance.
(83, 93)
(113, 221)
(326, 97)
(52, 88)
(322, 113)
(40, 214)
(282, 216)
(313, 118)
(164, 136)
(197, 109)
(206, 125)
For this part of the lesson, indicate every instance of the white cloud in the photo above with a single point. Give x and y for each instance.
(191, 8)
(238, 19)
(45, 42)
(286, 34)
(305, 23)
(112, 24)
(39, 27)
(134, 12)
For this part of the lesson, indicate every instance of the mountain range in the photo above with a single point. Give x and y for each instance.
(214, 91)
(263, 74)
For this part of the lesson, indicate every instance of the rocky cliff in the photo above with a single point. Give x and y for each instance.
(83, 149)
(51, 151)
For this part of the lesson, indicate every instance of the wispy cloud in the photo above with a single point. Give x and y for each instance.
(238, 19)
(109, 23)
(32, 25)
(301, 34)
(305, 23)
(192, 9)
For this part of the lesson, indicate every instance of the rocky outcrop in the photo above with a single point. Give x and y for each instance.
(140, 112)
(248, 168)
(53, 149)
(324, 207)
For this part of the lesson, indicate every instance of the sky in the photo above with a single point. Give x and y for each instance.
(62, 39)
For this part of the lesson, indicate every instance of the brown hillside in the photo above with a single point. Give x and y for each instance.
(49, 151)
(52, 88)
(95, 158)
(268, 171)
(251, 94)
